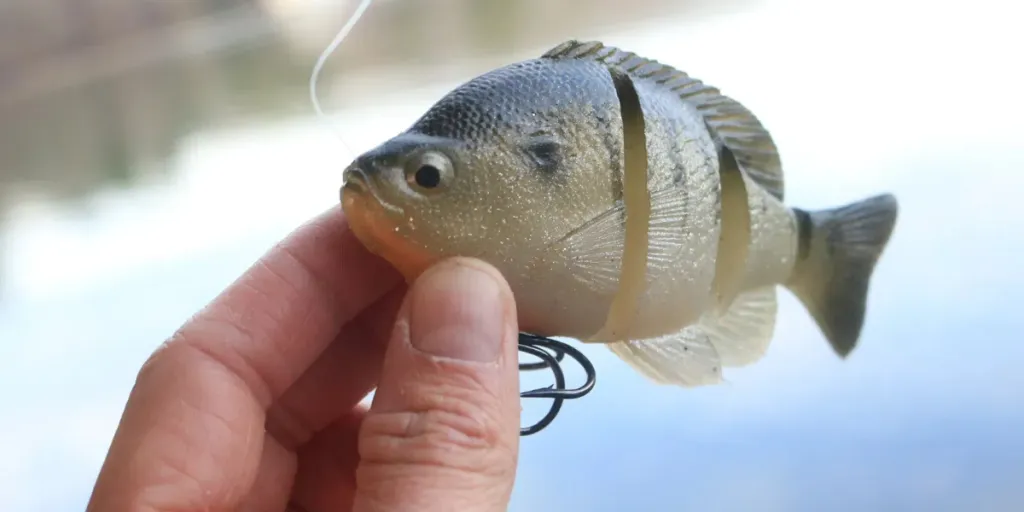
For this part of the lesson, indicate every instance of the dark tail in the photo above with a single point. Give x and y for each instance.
(838, 251)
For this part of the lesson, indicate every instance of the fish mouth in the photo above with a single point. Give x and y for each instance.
(378, 231)
(358, 183)
(360, 208)
(355, 180)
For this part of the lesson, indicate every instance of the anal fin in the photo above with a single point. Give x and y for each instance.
(695, 355)
(686, 358)
(742, 334)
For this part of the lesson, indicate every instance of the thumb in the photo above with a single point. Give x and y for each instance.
(443, 430)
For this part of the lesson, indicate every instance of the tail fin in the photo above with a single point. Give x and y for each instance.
(838, 251)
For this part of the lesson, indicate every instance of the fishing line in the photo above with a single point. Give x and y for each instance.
(550, 352)
(318, 67)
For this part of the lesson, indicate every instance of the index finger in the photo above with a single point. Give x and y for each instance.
(277, 318)
(192, 432)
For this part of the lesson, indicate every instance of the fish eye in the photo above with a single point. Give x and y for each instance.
(429, 171)
(428, 176)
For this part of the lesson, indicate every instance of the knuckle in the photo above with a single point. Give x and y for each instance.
(166, 354)
(450, 426)
(207, 339)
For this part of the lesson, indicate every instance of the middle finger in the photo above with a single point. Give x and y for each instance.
(342, 376)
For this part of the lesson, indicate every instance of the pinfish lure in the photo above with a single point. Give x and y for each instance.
(627, 204)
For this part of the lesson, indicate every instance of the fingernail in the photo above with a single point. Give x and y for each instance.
(457, 312)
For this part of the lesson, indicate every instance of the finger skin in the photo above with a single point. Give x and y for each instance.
(273, 482)
(272, 323)
(443, 430)
(192, 434)
(342, 376)
(326, 479)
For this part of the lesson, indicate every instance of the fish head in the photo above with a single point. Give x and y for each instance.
(401, 199)
(498, 169)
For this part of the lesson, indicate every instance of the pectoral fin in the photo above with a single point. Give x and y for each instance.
(592, 253)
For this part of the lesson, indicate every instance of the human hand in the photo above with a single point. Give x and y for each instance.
(253, 404)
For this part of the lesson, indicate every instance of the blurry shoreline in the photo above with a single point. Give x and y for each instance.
(95, 94)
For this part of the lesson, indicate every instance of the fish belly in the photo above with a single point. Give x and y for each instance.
(558, 300)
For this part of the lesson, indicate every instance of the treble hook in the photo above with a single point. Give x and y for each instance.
(551, 353)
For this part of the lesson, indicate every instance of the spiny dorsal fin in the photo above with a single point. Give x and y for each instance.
(728, 120)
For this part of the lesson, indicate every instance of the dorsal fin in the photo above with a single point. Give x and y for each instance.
(729, 121)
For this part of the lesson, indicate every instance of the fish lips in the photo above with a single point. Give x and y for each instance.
(355, 180)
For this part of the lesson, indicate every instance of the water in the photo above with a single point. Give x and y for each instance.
(133, 230)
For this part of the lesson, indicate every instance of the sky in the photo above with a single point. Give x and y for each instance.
(912, 98)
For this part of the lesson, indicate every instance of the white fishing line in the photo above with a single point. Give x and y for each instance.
(331, 48)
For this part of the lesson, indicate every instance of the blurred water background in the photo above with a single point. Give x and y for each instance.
(151, 151)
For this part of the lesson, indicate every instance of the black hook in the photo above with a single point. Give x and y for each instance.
(551, 353)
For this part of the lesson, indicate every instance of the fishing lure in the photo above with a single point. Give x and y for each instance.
(627, 204)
